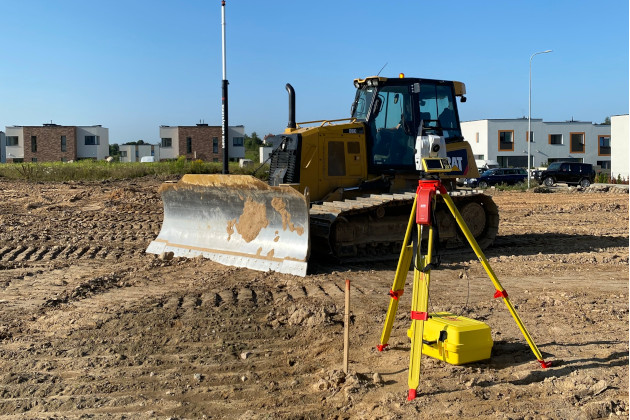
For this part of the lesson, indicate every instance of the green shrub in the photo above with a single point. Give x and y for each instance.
(602, 178)
(89, 170)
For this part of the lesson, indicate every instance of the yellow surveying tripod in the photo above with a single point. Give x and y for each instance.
(423, 206)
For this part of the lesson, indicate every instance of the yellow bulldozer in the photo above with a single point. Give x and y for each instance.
(341, 189)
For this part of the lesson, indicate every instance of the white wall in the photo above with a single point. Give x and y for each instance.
(156, 151)
(15, 152)
(619, 138)
(264, 153)
(476, 133)
(172, 133)
(127, 152)
(100, 151)
(236, 152)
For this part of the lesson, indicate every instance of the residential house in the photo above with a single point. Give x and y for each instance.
(505, 141)
(201, 141)
(135, 152)
(53, 142)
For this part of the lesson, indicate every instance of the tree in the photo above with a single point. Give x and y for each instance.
(253, 141)
(114, 149)
(606, 121)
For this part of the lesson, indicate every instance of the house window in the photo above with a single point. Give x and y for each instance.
(237, 141)
(512, 161)
(63, 143)
(215, 145)
(188, 145)
(12, 140)
(604, 146)
(34, 160)
(34, 144)
(530, 135)
(63, 159)
(123, 153)
(506, 140)
(167, 142)
(577, 143)
(604, 164)
(92, 140)
(555, 138)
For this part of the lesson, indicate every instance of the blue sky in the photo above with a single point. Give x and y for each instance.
(134, 65)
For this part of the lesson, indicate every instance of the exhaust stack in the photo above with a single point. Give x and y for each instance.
(291, 106)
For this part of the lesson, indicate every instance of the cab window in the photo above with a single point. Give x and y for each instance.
(437, 109)
(393, 128)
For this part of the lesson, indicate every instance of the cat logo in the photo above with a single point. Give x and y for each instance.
(456, 162)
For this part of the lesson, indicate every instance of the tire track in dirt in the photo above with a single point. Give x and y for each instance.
(164, 311)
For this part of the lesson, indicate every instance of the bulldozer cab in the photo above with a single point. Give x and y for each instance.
(396, 111)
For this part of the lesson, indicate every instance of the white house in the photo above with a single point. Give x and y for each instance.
(619, 138)
(505, 140)
(135, 152)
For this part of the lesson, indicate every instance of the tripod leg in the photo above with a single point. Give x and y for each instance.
(419, 313)
(404, 261)
(500, 292)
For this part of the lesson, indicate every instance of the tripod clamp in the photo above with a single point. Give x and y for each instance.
(425, 195)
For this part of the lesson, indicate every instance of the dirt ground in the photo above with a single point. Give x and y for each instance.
(92, 327)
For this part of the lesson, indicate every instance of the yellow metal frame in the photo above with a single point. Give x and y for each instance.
(421, 281)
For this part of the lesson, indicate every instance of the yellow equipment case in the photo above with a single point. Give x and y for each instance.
(455, 339)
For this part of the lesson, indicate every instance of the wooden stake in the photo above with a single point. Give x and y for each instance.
(346, 329)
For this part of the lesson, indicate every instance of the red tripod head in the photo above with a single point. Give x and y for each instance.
(426, 191)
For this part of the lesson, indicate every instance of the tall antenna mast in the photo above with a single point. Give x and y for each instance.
(224, 100)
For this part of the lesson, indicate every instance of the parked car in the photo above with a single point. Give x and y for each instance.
(572, 173)
(508, 176)
(535, 174)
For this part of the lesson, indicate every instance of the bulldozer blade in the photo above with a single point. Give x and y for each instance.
(235, 220)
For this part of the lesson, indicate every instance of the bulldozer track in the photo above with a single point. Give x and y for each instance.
(372, 228)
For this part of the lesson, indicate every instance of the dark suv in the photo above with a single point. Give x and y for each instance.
(572, 173)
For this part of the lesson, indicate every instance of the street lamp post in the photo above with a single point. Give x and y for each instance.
(529, 119)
